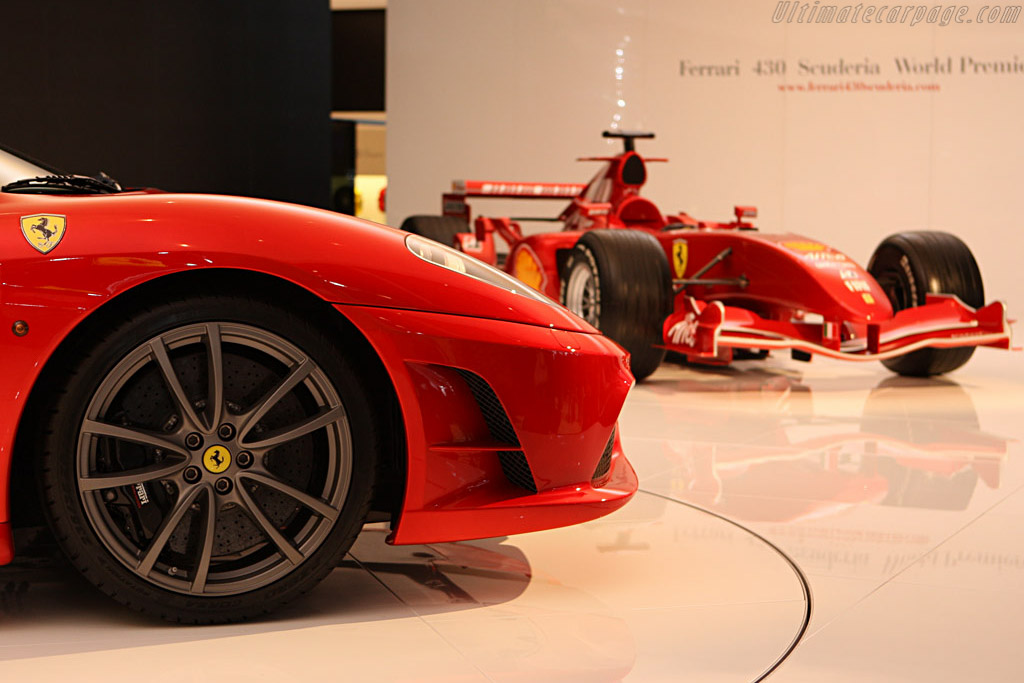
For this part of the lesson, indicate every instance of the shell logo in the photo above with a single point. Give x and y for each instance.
(527, 267)
(805, 246)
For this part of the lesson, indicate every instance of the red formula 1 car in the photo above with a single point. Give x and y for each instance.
(212, 394)
(714, 291)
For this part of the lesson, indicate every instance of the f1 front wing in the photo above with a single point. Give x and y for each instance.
(710, 331)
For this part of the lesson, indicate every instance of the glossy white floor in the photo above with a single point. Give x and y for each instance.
(899, 503)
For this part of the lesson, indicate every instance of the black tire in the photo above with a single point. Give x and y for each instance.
(619, 282)
(170, 538)
(438, 228)
(908, 265)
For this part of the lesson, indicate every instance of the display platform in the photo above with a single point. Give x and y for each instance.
(884, 510)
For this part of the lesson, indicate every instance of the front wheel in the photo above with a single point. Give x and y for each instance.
(910, 265)
(619, 282)
(208, 460)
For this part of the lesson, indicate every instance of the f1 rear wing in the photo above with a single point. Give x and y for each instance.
(492, 188)
(454, 203)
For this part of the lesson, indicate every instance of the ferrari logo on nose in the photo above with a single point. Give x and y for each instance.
(216, 459)
(43, 231)
(679, 254)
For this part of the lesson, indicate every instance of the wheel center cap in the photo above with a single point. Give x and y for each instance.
(216, 459)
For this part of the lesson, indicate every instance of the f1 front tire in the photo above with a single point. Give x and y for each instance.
(619, 282)
(910, 265)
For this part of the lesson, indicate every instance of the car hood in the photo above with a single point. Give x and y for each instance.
(139, 236)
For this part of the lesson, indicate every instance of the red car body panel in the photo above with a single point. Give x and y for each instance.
(456, 491)
(770, 291)
(114, 243)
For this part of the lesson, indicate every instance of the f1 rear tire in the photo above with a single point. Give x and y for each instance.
(619, 282)
(909, 265)
(438, 228)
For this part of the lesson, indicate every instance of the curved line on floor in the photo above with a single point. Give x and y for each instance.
(804, 585)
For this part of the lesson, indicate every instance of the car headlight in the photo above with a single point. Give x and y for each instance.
(458, 262)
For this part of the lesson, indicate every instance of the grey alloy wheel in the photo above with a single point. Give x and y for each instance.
(213, 537)
(210, 458)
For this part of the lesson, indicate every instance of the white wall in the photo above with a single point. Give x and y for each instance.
(516, 89)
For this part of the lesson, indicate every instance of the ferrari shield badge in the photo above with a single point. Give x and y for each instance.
(679, 254)
(43, 231)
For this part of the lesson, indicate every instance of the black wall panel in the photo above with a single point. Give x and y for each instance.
(226, 96)
(358, 60)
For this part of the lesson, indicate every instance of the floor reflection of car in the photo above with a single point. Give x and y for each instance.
(586, 643)
(901, 452)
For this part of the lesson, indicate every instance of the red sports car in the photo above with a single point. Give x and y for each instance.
(714, 291)
(206, 397)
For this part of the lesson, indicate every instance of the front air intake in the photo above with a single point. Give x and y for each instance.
(605, 463)
(494, 414)
(517, 470)
(513, 462)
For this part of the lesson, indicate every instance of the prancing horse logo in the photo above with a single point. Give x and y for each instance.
(43, 231)
(679, 258)
(216, 459)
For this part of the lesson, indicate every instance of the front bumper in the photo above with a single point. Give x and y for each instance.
(509, 427)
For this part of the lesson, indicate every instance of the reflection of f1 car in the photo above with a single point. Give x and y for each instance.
(711, 291)
(901, 451)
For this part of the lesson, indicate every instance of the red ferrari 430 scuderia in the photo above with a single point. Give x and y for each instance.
(206, 397)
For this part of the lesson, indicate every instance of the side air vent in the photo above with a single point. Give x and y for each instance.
(513, 462)
(517, 470)
(497, 420)
(605, 463)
